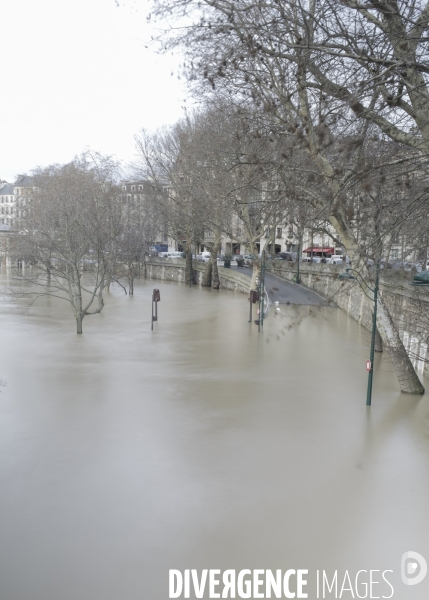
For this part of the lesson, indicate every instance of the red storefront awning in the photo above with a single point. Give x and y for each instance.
(320, 250)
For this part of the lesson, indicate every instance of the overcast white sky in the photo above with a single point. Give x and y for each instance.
(76, 74)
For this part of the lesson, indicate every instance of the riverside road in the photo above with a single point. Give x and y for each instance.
(286, 292)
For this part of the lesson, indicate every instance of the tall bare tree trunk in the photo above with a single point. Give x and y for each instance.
(256, 273)
(131, 282)
(407, 377)
(207, 277)
(408, 380)
(189, 272)
(79, 320)
(215, 274)
(211, 273)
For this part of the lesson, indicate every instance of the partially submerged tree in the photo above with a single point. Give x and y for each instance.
(72, 218)
(166, 159)
(139, 228)
(320, 72)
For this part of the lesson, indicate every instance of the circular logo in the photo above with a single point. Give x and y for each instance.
(413, 568)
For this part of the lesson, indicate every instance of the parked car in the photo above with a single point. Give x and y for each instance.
(168, 254)
(203, 256)
(371, 263)
(248, 258)
(290, 256)
(404, 266)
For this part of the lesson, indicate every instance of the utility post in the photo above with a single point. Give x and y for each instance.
(374, 298)
(373, 332)
(261, 291)
(297, 263)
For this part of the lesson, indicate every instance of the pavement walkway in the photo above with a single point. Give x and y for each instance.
(286, 292)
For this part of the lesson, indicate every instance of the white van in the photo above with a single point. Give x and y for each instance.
(337, 259)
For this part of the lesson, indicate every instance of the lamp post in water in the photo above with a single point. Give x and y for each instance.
(261, 291)
(297, 263)
(374, 291)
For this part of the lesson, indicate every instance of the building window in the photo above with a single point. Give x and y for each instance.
(140, 187)
(124, 188)
(133, 188)
(279, 232)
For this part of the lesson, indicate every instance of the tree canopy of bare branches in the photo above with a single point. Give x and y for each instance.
(69, 219)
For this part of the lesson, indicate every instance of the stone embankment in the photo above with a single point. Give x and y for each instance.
(408, 305)
(174, 270)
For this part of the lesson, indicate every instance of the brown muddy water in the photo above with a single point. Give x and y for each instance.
(201, 445)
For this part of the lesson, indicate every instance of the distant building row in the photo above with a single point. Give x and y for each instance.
(9, 194)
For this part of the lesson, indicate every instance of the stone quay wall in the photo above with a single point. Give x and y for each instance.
(408, 305)
(174, 270)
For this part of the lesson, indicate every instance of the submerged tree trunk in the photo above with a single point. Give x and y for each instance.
(404, 370)
(214, 253)
(100, 300)
(211, 273)
(189, 272)
(131, 283)
(407, 377)
(207, 277)
(215, 275)
(79, 319)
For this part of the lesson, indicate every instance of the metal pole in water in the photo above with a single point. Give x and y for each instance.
(373, 332)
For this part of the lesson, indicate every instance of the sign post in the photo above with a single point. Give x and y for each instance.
(253, 298)
(156, 297)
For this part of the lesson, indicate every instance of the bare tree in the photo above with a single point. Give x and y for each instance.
(320, 72)
(139, 229)
(165, 160)
(71, 218)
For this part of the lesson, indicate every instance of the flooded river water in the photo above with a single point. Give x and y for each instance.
(125, 453)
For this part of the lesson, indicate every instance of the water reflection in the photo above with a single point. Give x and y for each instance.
(125, 452)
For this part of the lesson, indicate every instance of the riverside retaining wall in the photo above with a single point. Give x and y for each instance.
(174, 270)
(408, 305)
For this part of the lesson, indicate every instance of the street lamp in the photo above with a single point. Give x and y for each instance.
(297, 263)
(374, 291)
(261, 291)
